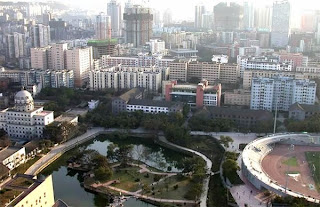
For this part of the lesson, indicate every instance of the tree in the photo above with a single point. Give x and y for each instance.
(230, 168)
(139, 152)
(100, 161)
(122, 154)
(111, 151)
(4, 139)
(193, 164)
(60, 132)
(45, 144)
(103, 174)
(225, 141)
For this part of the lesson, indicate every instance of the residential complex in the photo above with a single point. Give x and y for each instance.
(250, 74)
(262, 63)
(280, 93)
(196, 95)
(25, 121)
(118, 77)
(43, 78)
(80, 61)
(39, 58)
(178, 70)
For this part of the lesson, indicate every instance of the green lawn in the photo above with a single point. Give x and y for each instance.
(292, 161)
(166, 189)
(313, 159)
(24, 167)
(131, 179)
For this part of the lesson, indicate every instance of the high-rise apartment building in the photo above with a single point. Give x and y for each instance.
(280, 93)
(212, 72)
(115, 13)
(138, 25)
(56, 56)
(248, 15)
(178, 70)
(79, 60)
(262, 63)
(40, 35)
(263, 18)
(118, 78)
(103, 27)
(156, 46)
(167, 17)
(199, 11)
(39, 58)
(20, 49)
(280, 24)
(208, 20)
(227, 16)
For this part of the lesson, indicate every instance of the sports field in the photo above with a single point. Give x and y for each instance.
(313, 159)
(289, 167)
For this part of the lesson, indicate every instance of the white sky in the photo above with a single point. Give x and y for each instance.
(184, 9)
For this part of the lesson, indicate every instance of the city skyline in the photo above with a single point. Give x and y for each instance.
(188, 12)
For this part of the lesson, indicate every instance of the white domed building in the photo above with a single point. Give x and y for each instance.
(25, 121)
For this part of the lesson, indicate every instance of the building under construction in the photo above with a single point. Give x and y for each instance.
(103, 47)
(138, 25)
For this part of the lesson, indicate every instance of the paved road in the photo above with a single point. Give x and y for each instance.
(60, 149)
(238, 138)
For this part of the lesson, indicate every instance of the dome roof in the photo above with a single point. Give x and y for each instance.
(23, 95)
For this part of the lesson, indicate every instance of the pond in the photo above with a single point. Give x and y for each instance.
(67, 184)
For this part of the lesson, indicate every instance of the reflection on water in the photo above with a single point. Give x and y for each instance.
(67, 183)
(150, 154)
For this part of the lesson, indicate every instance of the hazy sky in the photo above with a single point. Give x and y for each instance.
(183, 9)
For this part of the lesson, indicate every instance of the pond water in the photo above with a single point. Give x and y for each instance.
(67, 184)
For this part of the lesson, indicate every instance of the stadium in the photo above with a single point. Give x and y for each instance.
(286, 164)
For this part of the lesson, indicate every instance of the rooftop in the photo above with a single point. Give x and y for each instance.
(183, 51)
(257, 114)
(30, 146)
(24, 184)
(102, 42)
(146, 102)
(7, 152)
(44, 113)
(3, 170)
(305, 107)
(131, 94)
(66, 118)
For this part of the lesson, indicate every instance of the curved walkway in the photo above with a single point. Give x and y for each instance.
(204, 195)
(161, 200)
